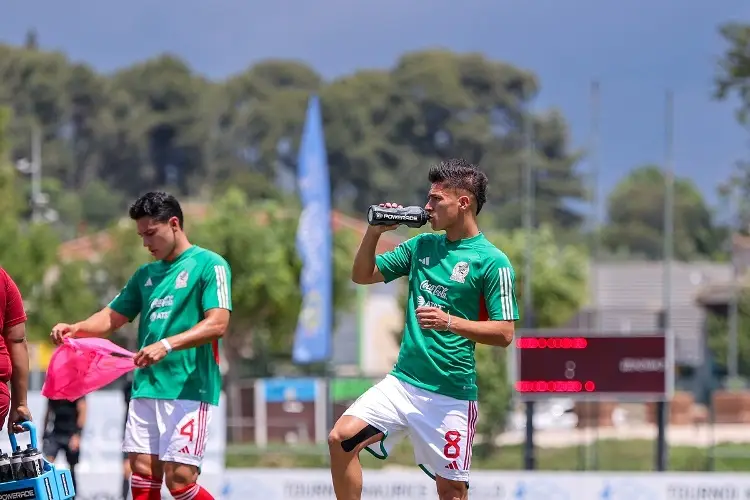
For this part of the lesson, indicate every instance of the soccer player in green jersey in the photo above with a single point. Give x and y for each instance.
(461, 292)
(184, 301)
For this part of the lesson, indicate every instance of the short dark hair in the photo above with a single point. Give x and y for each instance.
(157, 205)
(458, 173)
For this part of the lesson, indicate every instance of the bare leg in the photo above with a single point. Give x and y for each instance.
(179, 476)
(148, 474)
(182, 481)
(346, 470)
(451, 490)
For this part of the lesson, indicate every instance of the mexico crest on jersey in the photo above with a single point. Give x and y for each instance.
(460, 271)
(181, 281)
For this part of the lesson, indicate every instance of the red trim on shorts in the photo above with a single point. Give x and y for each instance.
(472, 424)
(200, 440)
(215, 349)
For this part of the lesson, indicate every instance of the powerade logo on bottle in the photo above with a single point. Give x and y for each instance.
(400, 217)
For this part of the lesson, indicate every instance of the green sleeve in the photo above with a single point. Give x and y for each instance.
(500, 290)
(216, 283)
(128, 302)
(397, 262)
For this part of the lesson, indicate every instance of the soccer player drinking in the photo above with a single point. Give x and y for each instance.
(184, 301)
(461, 292)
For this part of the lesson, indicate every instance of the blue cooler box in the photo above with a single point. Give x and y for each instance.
(53, 484)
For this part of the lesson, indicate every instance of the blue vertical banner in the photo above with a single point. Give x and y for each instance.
(312, 338)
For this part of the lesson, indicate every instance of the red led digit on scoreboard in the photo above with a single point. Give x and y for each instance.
(551, 343)
(555, 386)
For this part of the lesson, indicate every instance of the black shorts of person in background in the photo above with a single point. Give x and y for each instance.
(63, 427)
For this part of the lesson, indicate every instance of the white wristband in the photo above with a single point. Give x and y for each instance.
(166, 345)
(449, 322)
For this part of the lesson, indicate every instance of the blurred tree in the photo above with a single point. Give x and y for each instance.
(29, 254)
(636, 218)
(261, 113)
(733, 79)
(733, 74)
(384, 130)
(165, 123)
(121, 251)
(100, 204)
(157, 124)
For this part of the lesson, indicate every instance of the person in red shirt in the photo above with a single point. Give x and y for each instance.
(14, 356)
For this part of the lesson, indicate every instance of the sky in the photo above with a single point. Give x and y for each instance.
(636, 49)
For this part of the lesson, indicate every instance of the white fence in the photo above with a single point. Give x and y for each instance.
(407, 485)
(285, 484)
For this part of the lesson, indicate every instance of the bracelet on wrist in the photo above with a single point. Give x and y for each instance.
(167, 345)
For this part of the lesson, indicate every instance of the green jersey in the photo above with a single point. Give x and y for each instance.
(471, 279)
(172, 297)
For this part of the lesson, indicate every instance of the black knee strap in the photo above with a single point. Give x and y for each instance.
(359, 438)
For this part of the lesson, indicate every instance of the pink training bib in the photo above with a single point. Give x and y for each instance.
(81, 366)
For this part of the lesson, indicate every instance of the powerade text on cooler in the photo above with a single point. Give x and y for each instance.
(409, 216)
(26, 474)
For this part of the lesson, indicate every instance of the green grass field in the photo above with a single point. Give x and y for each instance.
(604, 455)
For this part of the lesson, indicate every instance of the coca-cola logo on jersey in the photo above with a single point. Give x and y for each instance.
(439, 291)
(167, 301)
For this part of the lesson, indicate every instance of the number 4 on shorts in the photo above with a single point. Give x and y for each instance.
(188, 429)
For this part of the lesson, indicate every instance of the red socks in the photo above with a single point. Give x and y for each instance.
(148, 488)
(145, 487)
(192, 492)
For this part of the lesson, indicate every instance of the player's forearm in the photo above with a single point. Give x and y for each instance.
(99, 324)
(205, 332)
(81, 419)
(364, 262)
(496, 333)
(18, 350)
(81, 422)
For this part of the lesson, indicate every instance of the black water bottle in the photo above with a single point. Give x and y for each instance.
(409, 216)
(16, 464)
(6, 473)
(32, 462)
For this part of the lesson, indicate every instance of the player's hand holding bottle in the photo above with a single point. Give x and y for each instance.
(380, 228)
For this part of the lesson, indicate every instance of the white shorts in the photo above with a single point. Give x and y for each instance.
(176, 431)
(440, 428)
